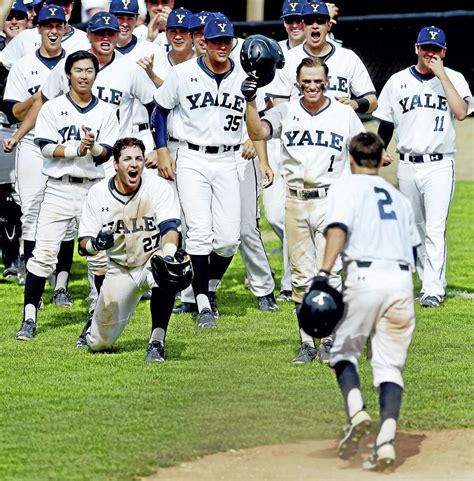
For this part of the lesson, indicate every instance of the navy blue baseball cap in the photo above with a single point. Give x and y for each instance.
(198, 20)
(125, 7)
(315, 8)
(103, 21)
(51, 12)
(291, 8)
(432, 36)
(18, 6)
(218, 27)
(32, 3)
(179, 18)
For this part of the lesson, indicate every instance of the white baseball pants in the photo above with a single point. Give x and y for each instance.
(209, 193)
(430, 189)
(379, 300)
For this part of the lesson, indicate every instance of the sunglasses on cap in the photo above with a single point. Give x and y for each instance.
(319, 19)
(293, 19)
(16, 16)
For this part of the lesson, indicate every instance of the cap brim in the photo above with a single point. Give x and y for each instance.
(218, 36)
(103, 28)
(123, 12)
(431, 43)
(292, 15)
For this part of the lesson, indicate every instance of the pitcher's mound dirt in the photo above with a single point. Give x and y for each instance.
(429, 456)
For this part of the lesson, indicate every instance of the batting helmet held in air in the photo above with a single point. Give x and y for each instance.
(260, 57)
(173, 275)
(321, 310)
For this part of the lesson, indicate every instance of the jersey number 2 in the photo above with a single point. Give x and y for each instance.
(384, 203)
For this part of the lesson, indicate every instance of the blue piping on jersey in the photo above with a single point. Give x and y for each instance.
(316, 113)
(422, 77)
(451, 194)
(107, 64)
(115, 192)
(129, 47)
(322, 57)
(50, 62)
(217, 77)
(87, 108)
(68, 34)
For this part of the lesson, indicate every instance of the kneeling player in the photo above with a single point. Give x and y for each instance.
(130, 216)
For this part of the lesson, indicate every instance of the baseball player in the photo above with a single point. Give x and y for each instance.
(207, 121)
(75, 132)
(24, 81)
(15, 22)
(196, 27)
(130, 216)
(314, 133)
(29, 40)
(154, 31)
(421, 103)
(349, 77)
(33, 7)
(372, 224)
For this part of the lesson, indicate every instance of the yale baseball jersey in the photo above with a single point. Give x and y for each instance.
(416, 104)
(378, 219)
(134, 219)
(27, 77)
(347, 74)
(29, 40)
(313, 146)
(209, 110)
(118, 83)
(60, 121)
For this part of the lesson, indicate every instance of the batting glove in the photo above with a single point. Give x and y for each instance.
(249, 88)
(103, 241)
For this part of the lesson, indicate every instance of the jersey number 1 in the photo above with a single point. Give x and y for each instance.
(384, 203)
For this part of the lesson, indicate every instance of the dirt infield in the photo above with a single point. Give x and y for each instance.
(430, 456)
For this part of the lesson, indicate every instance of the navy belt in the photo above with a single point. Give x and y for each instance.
(418, 159)
(74, 180)
(142, 127)
(363, 264)
(213, 149)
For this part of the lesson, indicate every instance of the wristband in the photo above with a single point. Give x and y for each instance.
(169, 249)
(363, 105)
(71, 152)
(96, 150)
(90, 248)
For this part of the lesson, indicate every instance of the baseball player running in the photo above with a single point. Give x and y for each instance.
(23, 84)
(314, 132)
(75, 133)
(130, 216)
(427, 98)
(207, 120)
(372, 224)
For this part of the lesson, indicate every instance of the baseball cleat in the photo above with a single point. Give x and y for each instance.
(185, 308)
(61, 297)
(155, 352)
(82, 339)
(325, 349)
(81, 342)
(430, 301)
(357, 428)
(27, 330)
(205, 319)
(307, 354)
(213, 303)
(284, 296)
(382, 457)
(10, 272)
(267, 303)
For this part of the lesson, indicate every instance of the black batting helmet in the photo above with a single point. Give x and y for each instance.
(260, 56)
(321, 310)
(174, 276)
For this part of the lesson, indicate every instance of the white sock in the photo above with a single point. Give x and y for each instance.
(354, 402)
(202, 302)
(61, 280)
(30, 312)
(306, 339)
(158, 334)
(386, 432)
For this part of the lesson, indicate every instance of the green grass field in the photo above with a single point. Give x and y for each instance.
(70, 415)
